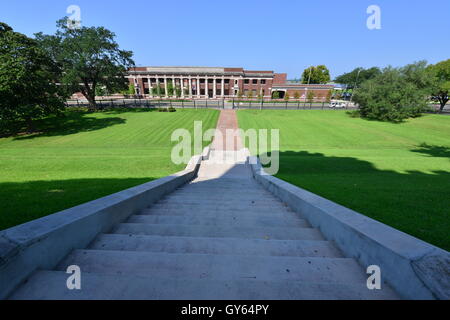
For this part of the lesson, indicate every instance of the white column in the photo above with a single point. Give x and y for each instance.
(215, 87)
(223, 87)
(182, 86)
(149, 87)
(158, 85)
(190, 87)
(165, 86)
(206, 87)
(174, 87)
(198, 87)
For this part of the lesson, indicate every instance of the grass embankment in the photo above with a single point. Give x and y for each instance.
(85, 156)
(398, 174)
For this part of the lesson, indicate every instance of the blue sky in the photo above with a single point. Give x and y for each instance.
(284, 36)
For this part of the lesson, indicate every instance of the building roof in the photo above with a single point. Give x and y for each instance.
(199, 71)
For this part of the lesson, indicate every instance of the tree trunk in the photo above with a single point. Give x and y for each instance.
(30, 125)
(92, 103)
(443, 101)
(89, 94)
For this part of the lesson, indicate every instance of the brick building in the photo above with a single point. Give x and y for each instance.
(216, 83)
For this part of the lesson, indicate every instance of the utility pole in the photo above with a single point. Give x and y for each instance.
(356, 83)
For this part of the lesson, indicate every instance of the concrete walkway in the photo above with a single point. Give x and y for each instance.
(222, 236)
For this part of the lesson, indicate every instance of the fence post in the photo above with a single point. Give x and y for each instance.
(182, 104)
(195, 105)
(206, 103)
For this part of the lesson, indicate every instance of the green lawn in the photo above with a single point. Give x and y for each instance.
(86, 156)
(398, 174)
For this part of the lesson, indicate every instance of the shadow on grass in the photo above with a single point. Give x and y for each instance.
(70, 123)
(415, 202)
(127, 110)
(433, 151)
(26, 201)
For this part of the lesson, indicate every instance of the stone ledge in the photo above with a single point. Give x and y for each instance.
(42, 243)
(414, 268)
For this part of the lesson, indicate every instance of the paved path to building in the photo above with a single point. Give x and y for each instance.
(222, 236)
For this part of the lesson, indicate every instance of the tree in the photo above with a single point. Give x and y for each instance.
(356, 77)
(286, 96)
(170, 88)
(239, 94)
(310, 96)
(178, 92)
(328, 96)
(28, 89)
(440, 82)
(276, 95)
(316, 75)
(297, 95)
(87, 57)
(250, 95)
(395, 94)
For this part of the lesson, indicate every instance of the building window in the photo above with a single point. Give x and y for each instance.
(263, 81)
(227, 80)
(246, 81)
(235, 82)
(255, 81)
(210, 80)
(202, 80)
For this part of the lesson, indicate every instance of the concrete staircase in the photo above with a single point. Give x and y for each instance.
(222, 236)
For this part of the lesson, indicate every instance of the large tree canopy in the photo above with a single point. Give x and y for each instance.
(356, 77)
(395, 94)
(88, 57)
(440, 77)
(27, 80)
(316, 75)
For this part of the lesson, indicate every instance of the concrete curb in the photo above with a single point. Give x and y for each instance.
(412, 267)
(206, 153)
(42, 243)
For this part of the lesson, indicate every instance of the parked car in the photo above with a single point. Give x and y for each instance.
(338, 104)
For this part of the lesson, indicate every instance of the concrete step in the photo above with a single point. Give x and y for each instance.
(220, 221)
(51, 285)
(225, 193)
(224, 186)
(217, 206)
(219, 197)
(271, 203)
(251, 214)
(294, 248)
(217, 267)
(265, 233)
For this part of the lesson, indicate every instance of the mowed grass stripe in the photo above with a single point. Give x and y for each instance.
(86, 156)
(398, 174)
